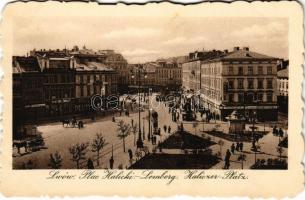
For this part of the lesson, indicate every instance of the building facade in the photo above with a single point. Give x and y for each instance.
(282, 87)
(168, 75)
(93, 78)
(59, 85)
(240, 80)
(28, 94)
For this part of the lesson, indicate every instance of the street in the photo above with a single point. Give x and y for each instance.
(58, 139)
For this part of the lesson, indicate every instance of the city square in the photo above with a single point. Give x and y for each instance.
(186, 108)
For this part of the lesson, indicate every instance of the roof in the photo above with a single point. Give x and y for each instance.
(245, 54)
(283, 73)
(92, 66)
(25, 64)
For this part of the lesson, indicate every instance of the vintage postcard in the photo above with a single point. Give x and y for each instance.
(152, 100)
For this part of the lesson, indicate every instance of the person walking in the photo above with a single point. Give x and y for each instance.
(164, 128)
(90, 164)
(241, 146)
(111, 161)
(237, 146)
(281, 133)
(227, 159)
(232, 148)
(130, 154)
(275, 131)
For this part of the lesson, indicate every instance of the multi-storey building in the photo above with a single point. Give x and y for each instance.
(151, 75)
(282, 83)
(168, 75)
(93, 78)
(117, 62)
(191, 69)
(28, 94)
(59, 83)
(240, 80)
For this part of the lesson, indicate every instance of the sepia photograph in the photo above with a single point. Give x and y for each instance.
(159, 99)
(150, 93)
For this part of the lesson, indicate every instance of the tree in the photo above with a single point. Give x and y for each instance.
(78, 152)
(55, 160)
(97, 145)
(123, 131)
(220, 143)
(280, 150)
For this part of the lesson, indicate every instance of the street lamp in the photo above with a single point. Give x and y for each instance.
(139, 71)
(149, 129)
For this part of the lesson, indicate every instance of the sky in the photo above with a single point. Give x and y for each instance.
(143, 39)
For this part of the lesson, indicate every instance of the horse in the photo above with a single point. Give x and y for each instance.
(65, 121)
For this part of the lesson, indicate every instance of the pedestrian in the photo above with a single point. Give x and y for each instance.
(241, 146)
(164, 128)
(237, 146)
(232, 148)
(130, 154)
(169, 129)
(227, 159)
(281, 133)
(113, 119)
(111, 161)
(275, 131)
(90, 164)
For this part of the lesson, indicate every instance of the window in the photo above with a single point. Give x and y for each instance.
(240, 83)
(88, 90)
(231, 84)
(250, 84)
(250, 97)
(269, 83)
(250, 70)
(260, 70)
(260, 84)
(231, 72)
(240, 97)
(81, 91)
(269, 70)
(231, 97)
(260, 96)
(269, 97)
(240, 71)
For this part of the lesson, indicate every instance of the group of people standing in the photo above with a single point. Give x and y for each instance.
(238, 147)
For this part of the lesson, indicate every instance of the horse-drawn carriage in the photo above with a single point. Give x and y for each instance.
(30, 144)
(73, 123)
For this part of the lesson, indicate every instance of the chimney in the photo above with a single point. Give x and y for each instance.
(236, 49)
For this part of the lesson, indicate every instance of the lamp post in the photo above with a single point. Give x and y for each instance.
(139, 71)
(149, 129)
